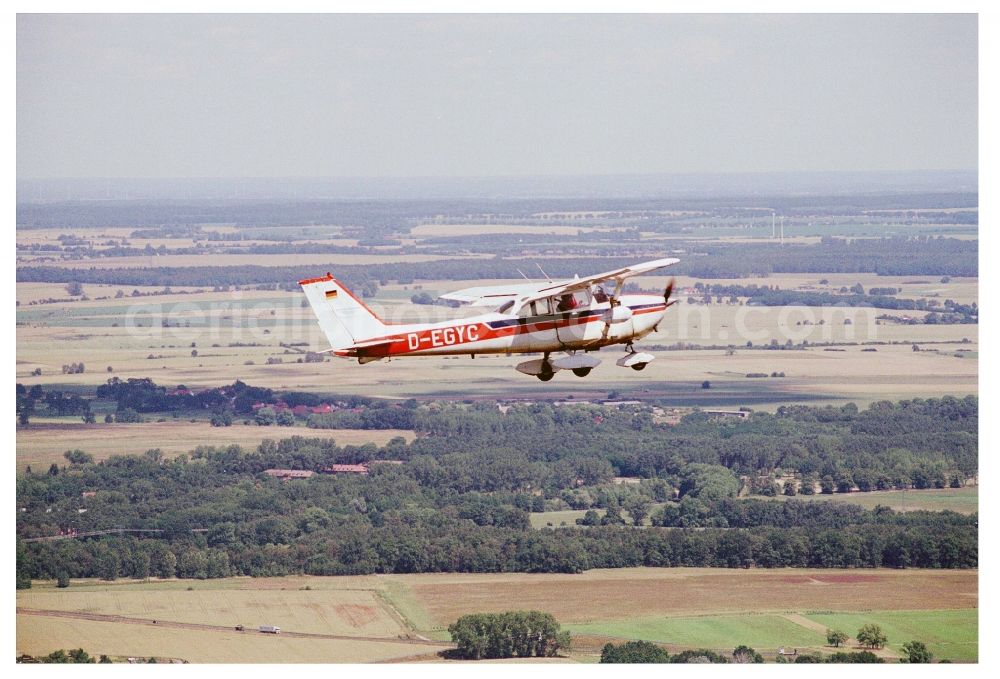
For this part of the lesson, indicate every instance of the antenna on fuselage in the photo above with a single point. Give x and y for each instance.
(547, 277)
(523, 276)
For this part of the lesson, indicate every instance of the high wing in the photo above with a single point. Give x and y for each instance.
(493, 295)
(618, 276)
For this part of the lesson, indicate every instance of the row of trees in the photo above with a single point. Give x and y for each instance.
(408, 543)
(870, 636)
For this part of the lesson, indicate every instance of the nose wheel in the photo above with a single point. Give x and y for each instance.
(581, 372)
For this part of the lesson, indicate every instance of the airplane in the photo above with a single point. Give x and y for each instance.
(575, 317)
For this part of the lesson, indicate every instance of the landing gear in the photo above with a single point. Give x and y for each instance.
(580, 363)
(634, 360)
(541, 368)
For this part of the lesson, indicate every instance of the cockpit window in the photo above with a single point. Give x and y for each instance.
(569, 301)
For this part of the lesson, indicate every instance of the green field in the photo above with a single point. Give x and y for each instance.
(566, 517)
(962, 500)
(949, 634)
(952, 635)
(725, 632)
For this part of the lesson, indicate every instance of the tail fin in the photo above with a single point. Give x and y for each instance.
(343, 318)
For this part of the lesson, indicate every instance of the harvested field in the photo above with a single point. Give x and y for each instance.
(331, 260)
(649, 592)
(343, 612)
(430, 230)
(39, 635)
(41, 444)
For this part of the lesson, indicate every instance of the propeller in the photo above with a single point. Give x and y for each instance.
(669, 291)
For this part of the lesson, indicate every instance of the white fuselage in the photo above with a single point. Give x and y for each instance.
(587, 327)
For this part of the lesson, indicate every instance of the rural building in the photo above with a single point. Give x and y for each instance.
(346, 469)
(727, 413)
(287, 474)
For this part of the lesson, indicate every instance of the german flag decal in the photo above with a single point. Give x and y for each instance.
(331, 294)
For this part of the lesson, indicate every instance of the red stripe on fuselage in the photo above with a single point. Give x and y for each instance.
(465, 333)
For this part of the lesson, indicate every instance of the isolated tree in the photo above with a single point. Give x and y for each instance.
(638, 509)
(77, 456)
(265, 417)
(745, 655)
(285, 419)
(222, 419)
(74, 288)
(127, 415)
(872, 636)
(62, 579)
(854, 658)
(706, 385)
(836, 637)
(811, 658)
(634, 652)
(916, 652)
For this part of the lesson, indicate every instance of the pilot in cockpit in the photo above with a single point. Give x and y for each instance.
(599, 295)
(567, 302)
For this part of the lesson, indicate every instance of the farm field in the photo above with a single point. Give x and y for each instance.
(962, 500)
(948, 634)
(370, 618)
(37, 635)
(235, 334)
(329, 261)
(41, 444)
(597, 595)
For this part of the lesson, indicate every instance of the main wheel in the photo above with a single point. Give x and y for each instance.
(581, 372)
(638, 366)
(546, 376)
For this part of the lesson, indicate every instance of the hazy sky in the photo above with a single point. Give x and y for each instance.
(460, 95)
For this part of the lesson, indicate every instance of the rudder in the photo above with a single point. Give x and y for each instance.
(343, 318)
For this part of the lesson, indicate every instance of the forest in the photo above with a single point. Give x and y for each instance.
(461, 497)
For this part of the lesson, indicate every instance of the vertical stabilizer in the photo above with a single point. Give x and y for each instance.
(343, 318)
